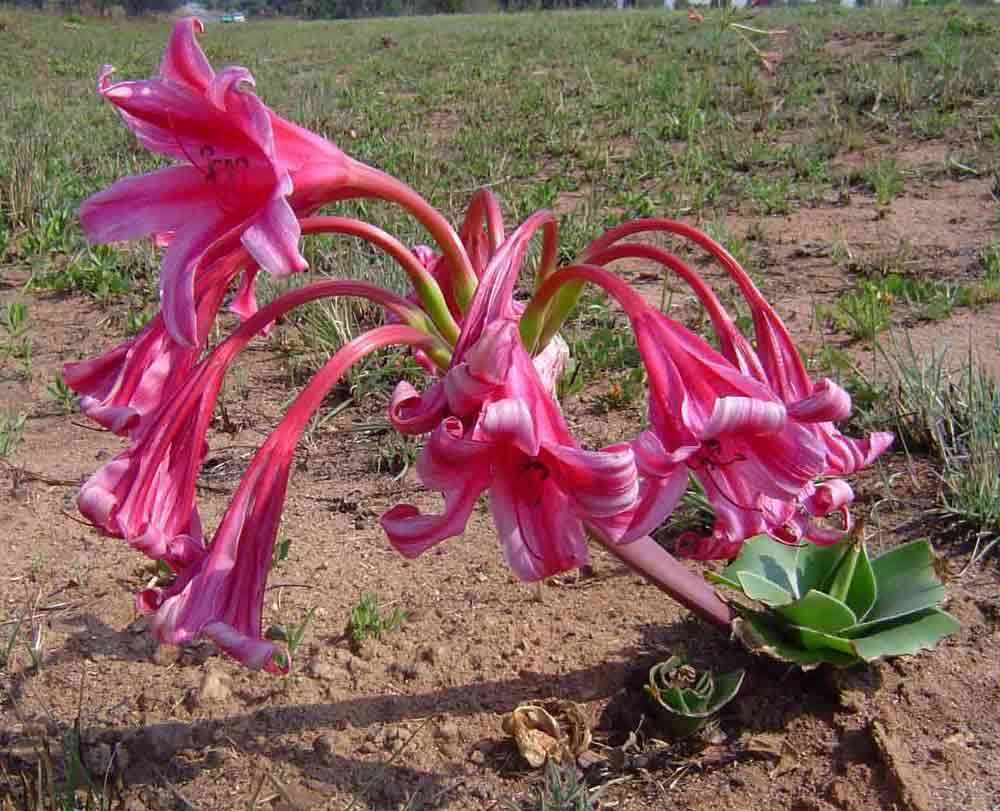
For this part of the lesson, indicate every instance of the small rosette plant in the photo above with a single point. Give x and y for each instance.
(833, 604)
(685, 699)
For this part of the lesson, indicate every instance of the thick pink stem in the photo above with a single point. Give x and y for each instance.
(328, 183)
(646, 557)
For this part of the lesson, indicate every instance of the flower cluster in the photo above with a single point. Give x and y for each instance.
(745, 419)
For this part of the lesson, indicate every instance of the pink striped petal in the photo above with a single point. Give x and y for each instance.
(509, 421)
(827, 403)
(599, 484)
(272, 235)
(457, 467)
(744, 415)
(184, 61)
(177, 272)
(157, 202)
(539, 534)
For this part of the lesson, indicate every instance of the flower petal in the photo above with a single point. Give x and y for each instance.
(599, 484)
(509, 421)
(827, 403)
(223, 598)
(184, 61)
(412, 413)
(459, 468)
(177, 274)
(160, 201)
(744, 415)
(539, 533)
(272, 236)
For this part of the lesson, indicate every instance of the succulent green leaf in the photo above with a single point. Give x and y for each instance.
(908, 636)
(757, 587)
(817, 565)
(863, 592)
(684, 710)
(818, 611)
(844, 573)
(767, 559)
(906, 581)
(726, 687)
(760, 635)
(853, 608)
(811, 639)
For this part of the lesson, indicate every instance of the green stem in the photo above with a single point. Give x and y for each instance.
(424, 284)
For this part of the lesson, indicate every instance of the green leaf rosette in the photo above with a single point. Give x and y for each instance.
(684, 699)
(832, 604)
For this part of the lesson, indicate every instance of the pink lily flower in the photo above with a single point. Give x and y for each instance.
(236, 176)
(220, 594)
(120, 388)
(774, 361)
(497, 427)
(515, 443)
(146, 494)
(729, 430)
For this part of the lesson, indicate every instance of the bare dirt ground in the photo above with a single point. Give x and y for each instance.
(414, 720)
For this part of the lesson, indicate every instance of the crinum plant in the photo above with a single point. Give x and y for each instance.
(245, 187)
(834, 604)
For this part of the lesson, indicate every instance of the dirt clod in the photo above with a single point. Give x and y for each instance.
(165, 655)
(213, 690)
(325, 747)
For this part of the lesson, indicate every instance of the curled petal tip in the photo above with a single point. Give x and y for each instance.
(118, 92)
(104, 78)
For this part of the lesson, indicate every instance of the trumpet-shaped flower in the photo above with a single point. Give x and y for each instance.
(514, 442)
(496, 426)
(146, 494)
(773, 359)
(120, 388)
(236, 176)
(220, 594)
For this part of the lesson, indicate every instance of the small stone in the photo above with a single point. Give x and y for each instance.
(450, 750)
(325, 747)
(477, 757)
(446, 731)
(213, 689)
(839, 792)
(165, 655)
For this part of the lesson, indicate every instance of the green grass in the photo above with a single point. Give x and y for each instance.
(368, 621)
(644, 111)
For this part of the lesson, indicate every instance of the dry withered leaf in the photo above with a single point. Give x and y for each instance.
(539, 736)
